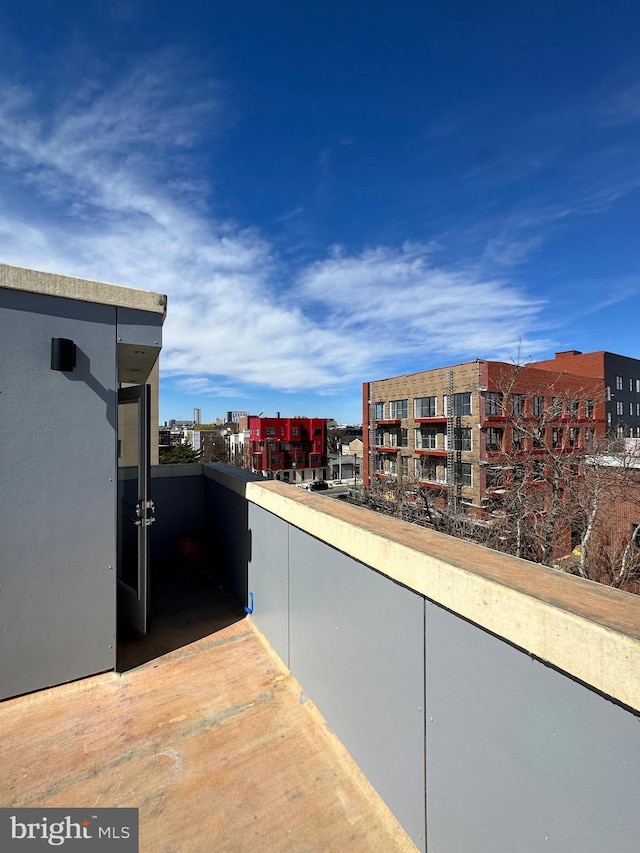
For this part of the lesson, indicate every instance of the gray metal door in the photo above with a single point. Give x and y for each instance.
(135, 509)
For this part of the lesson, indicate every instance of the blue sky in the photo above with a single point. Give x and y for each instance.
(330, 193)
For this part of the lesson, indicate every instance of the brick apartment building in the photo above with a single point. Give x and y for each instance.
(462, 418)
(290, 449)
(620, 376)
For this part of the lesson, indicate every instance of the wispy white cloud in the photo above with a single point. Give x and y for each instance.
(108, 185)
(398, 301)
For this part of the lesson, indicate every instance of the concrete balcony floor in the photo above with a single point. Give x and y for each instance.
(212, 741)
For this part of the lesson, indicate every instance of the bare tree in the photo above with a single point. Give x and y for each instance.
(558, 491)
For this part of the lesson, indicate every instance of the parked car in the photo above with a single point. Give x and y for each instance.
(317, 486)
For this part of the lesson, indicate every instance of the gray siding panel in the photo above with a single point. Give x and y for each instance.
(269, 578)
(139, 327)
(179, 503)
(57, 493)
(519, 756)
(228, 536)
(357, 647)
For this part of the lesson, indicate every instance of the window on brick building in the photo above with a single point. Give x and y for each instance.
(398, 409)
(426, 438)
(556, 437)
(556, 407)
(619, 408)
(538, 405)
(271, 430)
(461, 405)
(493, 403)
(589, 435)
(494, 439)
(462, 439)
(517, 404)
(619, 383)
(589, 408)
(379, 411)
(517, 438)
(425, 407)
(493, 477)
(538, 437)
(574, 437)
(404, 438)
(466, 476)
(574, 408)
(426, 469)
(405, 465)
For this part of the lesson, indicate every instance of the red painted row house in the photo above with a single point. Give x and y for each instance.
(289, 449)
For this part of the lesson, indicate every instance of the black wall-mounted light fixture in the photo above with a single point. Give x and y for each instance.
(63, 354)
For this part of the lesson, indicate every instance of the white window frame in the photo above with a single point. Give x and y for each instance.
(417, 400)
(428, 433)
(393, 409)
(459, 394)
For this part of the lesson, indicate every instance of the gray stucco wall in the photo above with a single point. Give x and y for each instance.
(357, 647)
(178, 496)
(57, 493)
(228, 536)
(269, 578)
(344, 631)
(519, 756)
(512, 755)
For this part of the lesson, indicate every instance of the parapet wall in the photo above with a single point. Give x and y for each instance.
(492, 703)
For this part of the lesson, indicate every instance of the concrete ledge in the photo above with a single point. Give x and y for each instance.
(233, 478)
(68, 287)
(590, 631)
(185, 469)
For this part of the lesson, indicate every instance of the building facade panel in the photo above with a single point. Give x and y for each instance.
(289, 449)
(486, 411)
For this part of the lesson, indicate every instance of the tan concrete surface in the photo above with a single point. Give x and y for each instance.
(211, 742)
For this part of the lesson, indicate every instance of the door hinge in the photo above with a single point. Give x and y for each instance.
(146, 513)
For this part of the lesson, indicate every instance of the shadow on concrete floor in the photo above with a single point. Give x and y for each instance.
(187, 603)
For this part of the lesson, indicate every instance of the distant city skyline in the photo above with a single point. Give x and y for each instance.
(331, 194)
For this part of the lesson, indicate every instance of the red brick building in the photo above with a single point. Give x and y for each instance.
(290, 449)
(620, 378)
(452, 427)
